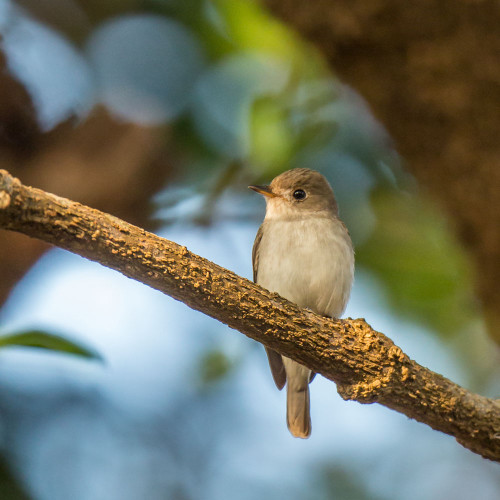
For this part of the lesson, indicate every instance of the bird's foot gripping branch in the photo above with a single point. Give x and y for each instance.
(365, 364)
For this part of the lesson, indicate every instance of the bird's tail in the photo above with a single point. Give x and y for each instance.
(297, 400)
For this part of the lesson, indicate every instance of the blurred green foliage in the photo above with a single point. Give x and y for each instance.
(341, 483)
(43, 340)
(412, 251)
(10, 488)
(214, 366)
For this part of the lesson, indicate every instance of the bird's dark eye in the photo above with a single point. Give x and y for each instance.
(299, 194)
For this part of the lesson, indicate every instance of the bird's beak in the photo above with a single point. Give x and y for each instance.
(264, 190)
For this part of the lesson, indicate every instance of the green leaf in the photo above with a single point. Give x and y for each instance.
(43, 340)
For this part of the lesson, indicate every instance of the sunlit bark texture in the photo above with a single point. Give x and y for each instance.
(365, 364)
(430, 71)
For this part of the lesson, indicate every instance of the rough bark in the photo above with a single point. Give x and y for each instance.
(365, 364)
(430, 72)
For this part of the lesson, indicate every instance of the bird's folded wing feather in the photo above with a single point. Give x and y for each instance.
(275, 361)
(277, 368)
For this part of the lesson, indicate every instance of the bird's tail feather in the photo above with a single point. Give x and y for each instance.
(297, 410)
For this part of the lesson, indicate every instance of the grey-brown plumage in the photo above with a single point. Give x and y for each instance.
(303, 252)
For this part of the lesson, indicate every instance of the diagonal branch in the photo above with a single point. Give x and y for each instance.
(365, 364)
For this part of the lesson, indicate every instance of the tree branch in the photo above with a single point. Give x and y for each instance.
(365, 364)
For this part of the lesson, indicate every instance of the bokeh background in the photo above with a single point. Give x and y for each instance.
(162, 112)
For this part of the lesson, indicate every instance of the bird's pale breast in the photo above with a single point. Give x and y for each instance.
(309, 262)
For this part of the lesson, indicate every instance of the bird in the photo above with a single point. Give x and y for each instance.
(304, 253)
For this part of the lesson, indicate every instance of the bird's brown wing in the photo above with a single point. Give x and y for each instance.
(277, 368)
(255, 253)
(275, 361)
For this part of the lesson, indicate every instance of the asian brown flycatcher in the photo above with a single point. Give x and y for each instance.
(303, 252)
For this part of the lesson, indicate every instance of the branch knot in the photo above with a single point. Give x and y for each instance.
(372, 387)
